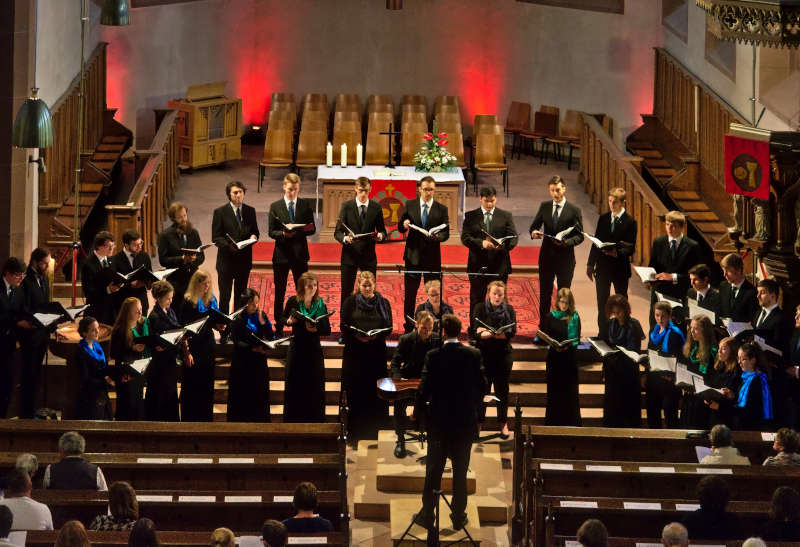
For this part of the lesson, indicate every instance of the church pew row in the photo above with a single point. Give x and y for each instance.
(570, 541)
(172, 538)
(207, 471)
(194, 509)
(626, 517)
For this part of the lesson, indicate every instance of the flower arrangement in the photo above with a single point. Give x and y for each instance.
(433, 156)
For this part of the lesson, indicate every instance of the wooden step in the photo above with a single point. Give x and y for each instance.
(112, 138)
(104, 165)
(711, 227)
(649, 154)
(640, 145)
(656, 163)
(689, 206)
(687, 195)
(91, 188)
(86, 200)
(110, 147)
(101, 156)
(703, 216)
(662, 171)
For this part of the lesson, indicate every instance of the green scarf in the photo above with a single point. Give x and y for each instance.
(145, 331)
(574, 325)
(317, 308)
(702, 367)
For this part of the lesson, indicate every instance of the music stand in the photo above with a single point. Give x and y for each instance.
(433, 533)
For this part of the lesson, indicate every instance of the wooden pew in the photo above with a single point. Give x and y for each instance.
(194, 509)
(171, 538)
(206, 471)
(569, 541)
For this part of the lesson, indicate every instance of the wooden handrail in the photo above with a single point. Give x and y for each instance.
(603, 167)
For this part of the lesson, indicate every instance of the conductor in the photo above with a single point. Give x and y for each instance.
(453, 383)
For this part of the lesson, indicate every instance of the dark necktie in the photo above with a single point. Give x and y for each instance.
(363, 214)
(673, 249)
(555, 216)
(424, 214)
(761, 317)
(239, 215)
(487, 220)
(11, 292)
(291, 211)
(132, 259)
(104, 262)
(699, 298)
(733, 296)
(184, 240)
(613, 224)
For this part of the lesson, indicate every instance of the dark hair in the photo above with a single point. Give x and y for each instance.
(713, 493)
(122, 501)
(771, 285)
(38, 254)
(234, 184)
(732, 260)
(363, 182)
(72, 534)
(700, 270)
(785, 504)
(274, 533)
(143, 534)
(720, 436)
(174, 208)
(618, 301)
(752, 351)
(130, 236)
(592, 533)
(161, 288)
(426, 178)
(788, 439)
(6, 520)
(556, 179)
(18, 482)
(487, 192)
(305, 497)
(84, 324)
(424, 315)
(101, 238)
(13, 265)
(249, 294)
(451, 325)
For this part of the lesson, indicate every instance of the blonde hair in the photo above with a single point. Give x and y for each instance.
(566, 293)
(301, 286)
(362, 275)
(706, 341)
(194, 283)
(122, 325)
(618, 193)
(432, 283)
(675, 217)
(494, 284)
(731, 364)
(290, 178)
(223, 537)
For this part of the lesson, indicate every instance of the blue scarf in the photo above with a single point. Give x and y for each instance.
(95, 351)
(744, 390)
(202, 307)
(253, 323)
(660, 337)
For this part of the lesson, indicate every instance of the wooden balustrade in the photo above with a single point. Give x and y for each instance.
(605, 166)
(147, 203)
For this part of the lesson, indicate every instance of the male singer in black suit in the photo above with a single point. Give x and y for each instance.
(36, 294)
(11, 307)
(95, 279)
(737, 296)
(363, 216)
(706, 296)
(557, 258)
(291, 246)
(181, 235)
(237, 220)
(612, 265)
(485, 256)
(671, 256)
(453, 384)
(128, 259)
(422, 252)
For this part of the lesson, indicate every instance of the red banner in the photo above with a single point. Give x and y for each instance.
(746, 167)
(392, 196)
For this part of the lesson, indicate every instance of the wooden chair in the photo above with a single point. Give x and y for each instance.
(410, 141)
(489, 120)
(373, 100)
(279, 118)
(381, 108)
(315, 124)
(379, 121)
(569, 135)
(283, 97)
(347, 101)
(490, 155)
(448, 101)
(413, 117)
(278, 149)
(315, 98)
(311, 148)
(449, 122)
(377, 149)
(282, 106)
(348, 133)
(446, 109)
(455, 146)
(518, 119)
(545, 125)
(414, 99)
(341, 116)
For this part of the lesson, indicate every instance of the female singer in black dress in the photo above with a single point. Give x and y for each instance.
(724, 373)
(364, 359)
(124, 349)
(161, 400)
(197, 388)
(94, 372)
(622, 406)
(304, 396)
(750, 392)
(434, 304)
(660, 392)
(562, 323)
(248, 383)
(699, 355)
(496, 348)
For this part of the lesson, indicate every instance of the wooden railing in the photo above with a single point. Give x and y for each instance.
(605, 166)
(155, 187)
(59, 181)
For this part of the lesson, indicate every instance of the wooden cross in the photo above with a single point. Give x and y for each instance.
(389, 134)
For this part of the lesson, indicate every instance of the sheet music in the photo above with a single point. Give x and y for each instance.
(632, 355)
(140, 365)
(700, 386)
(600, 345)
(683, 375)
(696, 309)
(161, 274)
(659, 362)
(645, 273)
(597, 243)
(47, 319)
(671, 301)
(766, 347)
(702, 452)
(560, 235)
(735, 327)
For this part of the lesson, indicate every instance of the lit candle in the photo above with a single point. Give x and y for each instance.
(359, 155)
(344, 154)
(329, 155)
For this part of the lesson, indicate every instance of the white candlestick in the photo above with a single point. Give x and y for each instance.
(359, 155)
(329, 155)
(344, 154)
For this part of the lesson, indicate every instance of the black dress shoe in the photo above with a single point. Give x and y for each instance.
(459, 521)
(400, 450)
(424, 519)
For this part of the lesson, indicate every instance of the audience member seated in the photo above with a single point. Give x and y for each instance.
(711, 521)
(787, 446)
(754, 542)
(72, 534)
(122, 506)
(722, 449)
(784, 516)
(222, 537)
(143, 534)
(73, 472)
(6, 518)
(28, 513)
(305, 503)
(592, 533)
(28, 463)
(674, 534)
(274, 534)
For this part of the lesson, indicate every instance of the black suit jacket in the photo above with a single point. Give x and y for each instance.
(778, 328)
(687, 255)
(223, 223)
(361, 252)
(121, 264)
(170, 244)
(570, 215)
(453, 382)
(744, 307)
(710, 301)
(35, 294)
(95, 284)
(290, 250)
(424, 252)
(624, 232)
(10, 313)
(409, 357)
(494, 260)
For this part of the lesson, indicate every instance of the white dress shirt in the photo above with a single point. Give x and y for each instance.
(29, 514)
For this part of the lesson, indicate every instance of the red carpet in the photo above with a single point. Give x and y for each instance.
(523, 294)
(392, 253)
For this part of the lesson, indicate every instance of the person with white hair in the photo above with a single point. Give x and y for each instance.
(675, 534)
(73, 472)
(754, 542)
(28, 463)
(722, 449)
